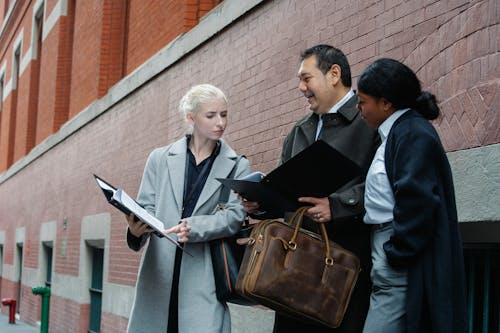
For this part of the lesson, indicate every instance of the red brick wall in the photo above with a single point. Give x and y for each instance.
(51, 63)
(145, 37)
(3, 10)
(64, 54)
(12, 126)
(6, 134)
(166, 19)
(110, 323)
(68, 316)
(112, 54)
(10, 31)
(9, 290)
(56, 72)
(459, 62)
(31, 306)
(50, 4)
(196, 9)
(21, 127)
(31, 247)
(255, 61)
(32, 108)
(86, 53)
(86, 50)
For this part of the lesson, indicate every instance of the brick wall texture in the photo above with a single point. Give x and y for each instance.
(453, 46)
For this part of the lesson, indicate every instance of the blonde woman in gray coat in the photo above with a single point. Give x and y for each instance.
(175, 292)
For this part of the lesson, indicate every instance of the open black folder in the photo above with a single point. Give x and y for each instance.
(317, 171)
(121, 200)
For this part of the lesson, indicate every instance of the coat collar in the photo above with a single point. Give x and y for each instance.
(309, 123)
(223, 164)
(348, 110)
(175, 160)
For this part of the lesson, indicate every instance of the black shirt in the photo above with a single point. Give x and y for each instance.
(195, 178)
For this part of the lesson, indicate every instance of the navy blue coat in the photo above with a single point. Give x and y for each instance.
(426, 237)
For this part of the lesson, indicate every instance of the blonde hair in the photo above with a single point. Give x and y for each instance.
(197, 95)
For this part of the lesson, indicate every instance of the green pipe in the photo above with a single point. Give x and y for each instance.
(45, 293)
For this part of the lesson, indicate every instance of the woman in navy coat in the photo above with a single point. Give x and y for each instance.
(418, 272)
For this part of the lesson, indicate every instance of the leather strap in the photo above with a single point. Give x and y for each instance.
(297, 218)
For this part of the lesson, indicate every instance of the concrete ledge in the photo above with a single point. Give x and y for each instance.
(476, 174)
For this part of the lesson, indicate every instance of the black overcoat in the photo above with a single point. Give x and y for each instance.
(349, 134)
(426, 237)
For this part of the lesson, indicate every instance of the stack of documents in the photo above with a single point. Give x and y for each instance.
(317, 171)
(121, 200)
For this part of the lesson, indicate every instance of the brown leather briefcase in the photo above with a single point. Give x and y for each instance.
(294, 271)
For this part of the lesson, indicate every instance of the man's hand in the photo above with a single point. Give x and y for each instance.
(250, 207)
(137, 228)
(182, 230)
(320, 212)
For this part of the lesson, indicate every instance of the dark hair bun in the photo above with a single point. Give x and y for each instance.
(426, 104)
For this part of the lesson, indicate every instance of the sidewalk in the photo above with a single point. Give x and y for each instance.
(18, 327)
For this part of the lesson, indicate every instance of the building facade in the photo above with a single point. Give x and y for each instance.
(92, 87)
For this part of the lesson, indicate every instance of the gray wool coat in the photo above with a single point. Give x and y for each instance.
(161, 193)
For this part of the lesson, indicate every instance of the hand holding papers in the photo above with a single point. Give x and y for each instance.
(317, 171)
(121, 200)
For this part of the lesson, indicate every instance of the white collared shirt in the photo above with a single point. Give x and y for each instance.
(379, 199)
(334, 109)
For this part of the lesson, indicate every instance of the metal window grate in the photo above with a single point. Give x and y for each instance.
(482, 266)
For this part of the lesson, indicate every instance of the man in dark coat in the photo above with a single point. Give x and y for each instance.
(325, 80)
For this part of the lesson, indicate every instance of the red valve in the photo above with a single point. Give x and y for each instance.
(11, 303)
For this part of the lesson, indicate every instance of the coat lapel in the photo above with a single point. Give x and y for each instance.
(221, 168)
(176, 166)
(307, 128)
(349, 109)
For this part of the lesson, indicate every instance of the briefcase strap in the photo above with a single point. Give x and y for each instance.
(297, 217)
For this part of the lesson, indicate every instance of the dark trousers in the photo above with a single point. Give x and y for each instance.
(173, 308)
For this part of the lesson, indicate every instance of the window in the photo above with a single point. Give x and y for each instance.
(19, 264)
(12, 122)
(96, 289)
(37, 31)
(482, 266)
(94, 265)
(1, 265)
(15, 67)
(48, 254)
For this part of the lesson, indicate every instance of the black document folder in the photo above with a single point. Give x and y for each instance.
(122, 201)
(317, 171)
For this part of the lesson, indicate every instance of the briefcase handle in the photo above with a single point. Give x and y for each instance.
(297, 217)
